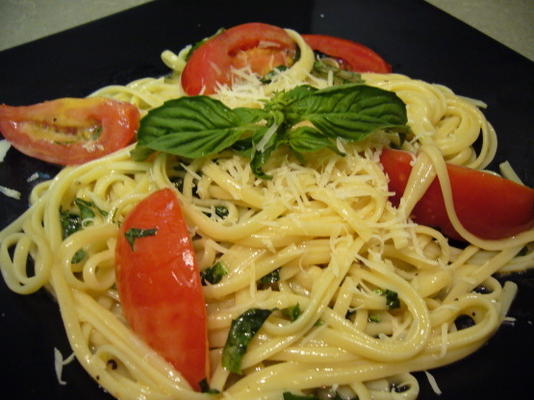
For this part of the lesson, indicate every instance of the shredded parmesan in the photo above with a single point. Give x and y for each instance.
(4, 148)
(59, 363)
(14, 194)
(433, 383)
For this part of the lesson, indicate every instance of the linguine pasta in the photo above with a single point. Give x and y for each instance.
(325, 227)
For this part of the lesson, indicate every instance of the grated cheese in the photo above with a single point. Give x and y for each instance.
(433, 383)
(59, 363)
(4, 148)
(14, 194)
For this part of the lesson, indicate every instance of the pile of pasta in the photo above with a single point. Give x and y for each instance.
(325, 227)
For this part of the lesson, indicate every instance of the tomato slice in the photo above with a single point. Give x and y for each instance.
(259, 45)
(70, 130)
(159, 284)
(353, 56)
(487, 205)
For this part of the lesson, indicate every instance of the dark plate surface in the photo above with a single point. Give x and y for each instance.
(417, 39)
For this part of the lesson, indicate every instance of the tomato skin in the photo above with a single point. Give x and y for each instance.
(211, 62)
(487, 205)
(159, 286)
(355, 56)
(50, 131)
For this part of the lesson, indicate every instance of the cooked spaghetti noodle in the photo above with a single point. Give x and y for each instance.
(326, 227)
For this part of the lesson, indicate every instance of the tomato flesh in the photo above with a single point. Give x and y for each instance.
(70, 130)
(159, 285)
(487, 205)
(352, 55)
(261, 46)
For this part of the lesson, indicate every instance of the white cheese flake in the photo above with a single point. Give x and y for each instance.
(4, 148)
(59, 363)
(433, 383)
(14, 194)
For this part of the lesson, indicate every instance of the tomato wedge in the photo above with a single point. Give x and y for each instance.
(259, 45)
(70, 130)
(159, 284)
(487, 205)
(351, 55)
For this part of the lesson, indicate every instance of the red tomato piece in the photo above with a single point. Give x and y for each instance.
(261, 46)
(353, 56)
(159, 285)
(69, 130)
(487, 205)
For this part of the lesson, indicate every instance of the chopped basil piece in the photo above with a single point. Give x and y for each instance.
(270, 280)
(78, 256)
(373, 318)
(269, 76)
(86, 213)
(242, 331)
(323, 66)
(392, 298)
(221, 211)
(291, 396)
(133, 234)
(205, 388)
(292, 313)
(70, 223)
(213, 274)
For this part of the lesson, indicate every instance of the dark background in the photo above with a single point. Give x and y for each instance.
(416, 38)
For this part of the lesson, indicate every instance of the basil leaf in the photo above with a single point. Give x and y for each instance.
(213, 274)
(133, 234)
(291, 396)
(78, 256)
(242, 331)
(306, 139)
(70, 223)
(323, 66)
(350, 111)
(205, 387)
(392, 298)
(194, 127)
(292, 313)
(270, 280)
(260, 157)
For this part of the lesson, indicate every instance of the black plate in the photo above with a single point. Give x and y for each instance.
(416, 38)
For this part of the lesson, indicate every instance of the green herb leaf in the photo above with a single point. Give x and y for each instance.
(242, 331)
(133, 234)
(292, 313)
(323, 66)
(392, 298)
(350, 111)
(86, 213)
(213, 274)
(205, 388)
(373, 318)
(270, 280)
(70, 223)
(306, 139)
(221, 211)
(194, 127)
(291, 396)
(78, 256)
(269, 76)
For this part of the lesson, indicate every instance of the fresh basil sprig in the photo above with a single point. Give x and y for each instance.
(199, 126)
(242, 330)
